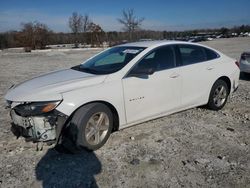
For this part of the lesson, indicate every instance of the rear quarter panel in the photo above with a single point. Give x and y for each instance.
(226, 67)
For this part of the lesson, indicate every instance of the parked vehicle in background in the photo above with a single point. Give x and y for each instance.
(198, 39)
(120, 87)
(245, 62)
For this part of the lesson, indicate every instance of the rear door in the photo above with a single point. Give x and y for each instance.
(198, 71)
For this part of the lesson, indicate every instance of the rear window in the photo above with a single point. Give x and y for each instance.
(191, 54)
(245, 56)
(211, 54)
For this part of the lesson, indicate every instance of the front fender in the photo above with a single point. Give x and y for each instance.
(111, 92)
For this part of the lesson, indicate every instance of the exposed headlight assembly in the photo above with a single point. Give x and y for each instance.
(35, 108)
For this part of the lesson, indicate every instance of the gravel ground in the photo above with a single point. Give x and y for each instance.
(194, 148)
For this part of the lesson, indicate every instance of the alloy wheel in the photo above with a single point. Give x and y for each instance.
(97, 128)
(220, 96)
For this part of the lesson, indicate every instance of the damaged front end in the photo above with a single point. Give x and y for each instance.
(37, 121)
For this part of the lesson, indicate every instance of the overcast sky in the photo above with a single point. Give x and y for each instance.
(158, 14)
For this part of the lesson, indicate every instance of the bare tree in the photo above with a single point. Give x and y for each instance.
(78, 24)
(27, 36)
(96, 33)
(130, 22)
(86, 22)
(34, 35)
(42, 33)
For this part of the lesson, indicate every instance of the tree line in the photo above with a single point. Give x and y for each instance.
(36, 35)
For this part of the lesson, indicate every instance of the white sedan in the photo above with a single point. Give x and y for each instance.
(119, 87)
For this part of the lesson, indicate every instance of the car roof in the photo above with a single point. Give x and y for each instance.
(155, 43)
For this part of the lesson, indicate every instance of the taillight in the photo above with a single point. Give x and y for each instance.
(237, 63)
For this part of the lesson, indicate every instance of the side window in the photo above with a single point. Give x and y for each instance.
(162, 58)
(191, 54)
(211, 54)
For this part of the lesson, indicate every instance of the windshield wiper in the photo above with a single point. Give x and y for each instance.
(90, 70)
(86, 69)
(83, 69)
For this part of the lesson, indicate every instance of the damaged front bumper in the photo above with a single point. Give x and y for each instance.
(42, 128)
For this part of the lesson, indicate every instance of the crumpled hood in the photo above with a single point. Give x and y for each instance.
(49, 87)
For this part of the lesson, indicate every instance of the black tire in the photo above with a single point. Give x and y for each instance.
(244, 75)
(78, 124)
(211, 102)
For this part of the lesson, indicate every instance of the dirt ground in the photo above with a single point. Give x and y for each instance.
(194, 148)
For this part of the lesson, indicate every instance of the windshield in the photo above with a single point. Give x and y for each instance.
(110, 61)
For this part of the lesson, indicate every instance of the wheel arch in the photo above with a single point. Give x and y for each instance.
(116, 120)
(227, 80)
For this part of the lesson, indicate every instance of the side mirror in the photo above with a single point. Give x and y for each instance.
(142, 71)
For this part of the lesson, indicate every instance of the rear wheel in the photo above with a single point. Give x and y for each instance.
(218, 95)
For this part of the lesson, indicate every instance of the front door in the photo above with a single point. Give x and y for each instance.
(151, 95)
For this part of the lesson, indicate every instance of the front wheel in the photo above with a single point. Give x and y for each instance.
(218, 95)
(92, 125)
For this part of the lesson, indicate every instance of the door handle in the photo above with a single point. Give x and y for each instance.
(210, 68)
(175, 75)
